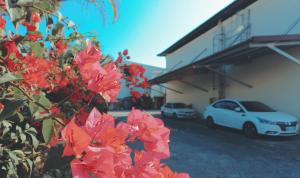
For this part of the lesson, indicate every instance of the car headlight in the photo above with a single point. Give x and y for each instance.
(265, 121)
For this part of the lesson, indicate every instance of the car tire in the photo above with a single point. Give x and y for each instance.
(174, 116)
(250, 130)
(210, 123)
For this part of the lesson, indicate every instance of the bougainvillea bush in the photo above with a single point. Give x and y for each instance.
(55, 84)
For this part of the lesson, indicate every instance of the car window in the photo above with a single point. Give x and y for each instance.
(230, 105)
(256, 107)
(179, 105)
(169, 105)
(220, 105)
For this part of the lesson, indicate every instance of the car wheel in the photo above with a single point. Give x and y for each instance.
(210, 123)
(174, 116)
(250, 130)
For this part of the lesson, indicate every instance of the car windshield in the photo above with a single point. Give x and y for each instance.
(256, 107)
(179, 105)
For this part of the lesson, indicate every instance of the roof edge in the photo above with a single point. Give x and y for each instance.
(222, 15)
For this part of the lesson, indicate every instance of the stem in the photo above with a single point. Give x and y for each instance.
(37, 103)
(66, 98)
(29, 97)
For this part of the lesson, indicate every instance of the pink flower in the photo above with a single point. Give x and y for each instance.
(97, 123)
(75, 138)
(88, 55)
(97, 161)
(105, 80)
(125, 52)
(151, 131)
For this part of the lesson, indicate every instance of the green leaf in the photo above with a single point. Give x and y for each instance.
(42, 99)
(38, 116)
(10, 108)
(18, 93)
(49, 23)
(50, 6)
(37, 48)
(13, 157)
(7, 77)
(47, 129)
(34, 140)
(21, 117)
(19, 153)
(31, 130)
(30, 164)
(58, 29)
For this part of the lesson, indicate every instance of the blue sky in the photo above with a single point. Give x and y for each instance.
(144, 27)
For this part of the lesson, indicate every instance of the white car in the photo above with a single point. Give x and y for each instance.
(252, 117)
(177, 111)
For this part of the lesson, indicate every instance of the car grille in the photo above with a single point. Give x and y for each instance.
(284, 125)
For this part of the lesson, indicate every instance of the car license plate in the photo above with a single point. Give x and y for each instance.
(289, 129)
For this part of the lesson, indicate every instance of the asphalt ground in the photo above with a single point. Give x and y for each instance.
(227, 153)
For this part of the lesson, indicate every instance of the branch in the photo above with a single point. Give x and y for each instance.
(37, 103)
(29, 97)
(50, 13)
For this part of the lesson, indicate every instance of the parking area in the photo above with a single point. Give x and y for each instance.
(226, 153)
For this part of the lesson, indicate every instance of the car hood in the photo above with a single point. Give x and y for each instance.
(184, 110)
(275, 116)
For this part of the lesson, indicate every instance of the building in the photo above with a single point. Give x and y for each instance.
(156, 93)
(250, 50)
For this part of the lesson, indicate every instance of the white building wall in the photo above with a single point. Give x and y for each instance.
(151, 72)
(199, 99)
(275, 80)
(267, 17)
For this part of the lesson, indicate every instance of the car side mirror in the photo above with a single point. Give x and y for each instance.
(238, 109)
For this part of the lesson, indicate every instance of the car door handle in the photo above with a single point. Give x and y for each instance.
(243, 115)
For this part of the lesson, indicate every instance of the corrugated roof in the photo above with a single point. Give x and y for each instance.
(224, 14)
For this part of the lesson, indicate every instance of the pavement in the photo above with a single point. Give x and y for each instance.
(227, 153)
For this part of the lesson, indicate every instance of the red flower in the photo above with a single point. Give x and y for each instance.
(119, 60)
(36, 71)
(1, 106)
(151, 131)
(54, 140)
(97, 161)
(125, 52)
(135, 94)
(146, 165)
(75, 138)
(103, 80)
(88, 55)
(12, 48)
(61, 46)
(34, 37)
(35, 17)
(29, 26)
(97, 123)
(81, 116)
(2, 23)
(55, 109)
(145, 84)
(167, 172)
(135, 69)
(2, 5)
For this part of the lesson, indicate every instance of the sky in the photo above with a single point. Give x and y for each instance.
(144, 27)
